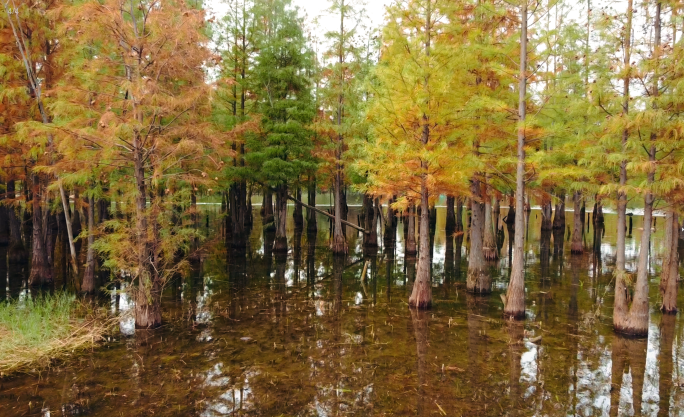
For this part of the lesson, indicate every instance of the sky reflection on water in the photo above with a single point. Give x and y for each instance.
(257, 335)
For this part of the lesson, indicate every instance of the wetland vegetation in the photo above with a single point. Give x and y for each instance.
(465, 208)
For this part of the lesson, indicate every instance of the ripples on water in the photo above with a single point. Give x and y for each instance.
(308, 336)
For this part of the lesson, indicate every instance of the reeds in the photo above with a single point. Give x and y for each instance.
(34, 331)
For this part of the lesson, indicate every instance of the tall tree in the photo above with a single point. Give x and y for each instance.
(135, 97)
(282, 151)
(340, 97)
(514, 305)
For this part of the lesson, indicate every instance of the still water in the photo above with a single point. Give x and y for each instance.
(308, 335)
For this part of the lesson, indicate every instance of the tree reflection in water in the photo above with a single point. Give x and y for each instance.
(245, 337)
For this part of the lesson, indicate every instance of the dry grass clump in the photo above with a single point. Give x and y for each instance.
(35, 331)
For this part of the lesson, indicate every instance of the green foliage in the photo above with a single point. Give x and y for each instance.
(281, 151)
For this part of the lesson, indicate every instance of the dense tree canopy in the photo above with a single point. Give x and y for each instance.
(117, 115)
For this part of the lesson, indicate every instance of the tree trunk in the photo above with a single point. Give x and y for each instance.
(459, 214)
(576, 246)
(236, 206)
(411, 236)
(559, 218)
(16, 253)
(514, 304)
(450, 224)
(148, 292)
(621, 313)
(490, 250)
(267, 206)
(311, 225)
(248, 206)
(339, 243)
(40, 268)
(478, 279)
(88, 286)
(670, 272)
(421, 297)
(390, 222)
(547, 214)
(4, 222)
(51, 238)
(297, 214)
(496, 213)
(280, 244)
(370, 239)
(510, 216)
(76, 225)
(633, 320)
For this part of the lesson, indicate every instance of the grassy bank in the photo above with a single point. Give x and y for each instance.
(35, 331)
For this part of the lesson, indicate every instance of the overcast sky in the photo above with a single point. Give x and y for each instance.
(315, 12)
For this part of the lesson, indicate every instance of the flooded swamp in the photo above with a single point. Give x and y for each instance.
(255, 334)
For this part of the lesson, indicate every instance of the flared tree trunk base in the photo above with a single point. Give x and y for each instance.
(40, 275)
(631, 330)
(514, 315)
(668, 309)
(421, 300)
(148, 316)
(339, 246)
(490, 253)
(478, 282)
(576, 248)
(280, 245)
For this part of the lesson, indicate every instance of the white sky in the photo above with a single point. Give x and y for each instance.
(314, 11)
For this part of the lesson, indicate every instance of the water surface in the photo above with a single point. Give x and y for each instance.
(307, 335)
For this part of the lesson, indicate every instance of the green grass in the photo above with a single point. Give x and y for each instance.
(35, 331)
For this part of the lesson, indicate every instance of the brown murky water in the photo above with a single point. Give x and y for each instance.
(306, 335)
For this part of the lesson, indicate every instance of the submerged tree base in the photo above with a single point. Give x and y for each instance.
(36, 331)
(629, 330)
